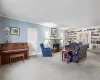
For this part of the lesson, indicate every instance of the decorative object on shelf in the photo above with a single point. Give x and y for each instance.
(7, 31)
(14, 31)
(79, 31)
(85, 30)
(54, 32)
(54, 49)
(72, 36)
(91, 29)
(57, 46)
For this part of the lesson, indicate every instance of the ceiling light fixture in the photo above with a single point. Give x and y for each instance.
(48, 24)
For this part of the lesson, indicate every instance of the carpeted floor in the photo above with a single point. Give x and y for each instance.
(52, 68)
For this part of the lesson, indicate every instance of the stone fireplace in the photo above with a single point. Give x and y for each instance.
(57, 46)
(55, 43)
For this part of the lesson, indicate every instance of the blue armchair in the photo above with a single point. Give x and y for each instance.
(45, 51)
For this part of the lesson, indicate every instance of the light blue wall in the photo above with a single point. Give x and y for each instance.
(2, 34)
(6, 22)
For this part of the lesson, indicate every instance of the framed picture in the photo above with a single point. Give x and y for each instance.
(14, 31)
(54, 32)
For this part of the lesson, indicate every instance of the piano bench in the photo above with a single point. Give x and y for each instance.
(0, 60)
(15, 56)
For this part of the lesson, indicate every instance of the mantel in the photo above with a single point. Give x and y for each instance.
(53, 39)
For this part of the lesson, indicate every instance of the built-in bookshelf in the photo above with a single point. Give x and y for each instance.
(72, 35)
(78, 34)
(95, 37)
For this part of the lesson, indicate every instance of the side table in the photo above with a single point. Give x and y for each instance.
(64, 52)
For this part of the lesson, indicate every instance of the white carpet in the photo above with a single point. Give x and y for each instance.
(52, 68)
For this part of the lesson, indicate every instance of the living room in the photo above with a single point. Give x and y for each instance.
(45, 40)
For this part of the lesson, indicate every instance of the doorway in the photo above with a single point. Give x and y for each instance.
(32, 41)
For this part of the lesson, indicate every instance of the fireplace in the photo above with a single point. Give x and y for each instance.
(57, 46)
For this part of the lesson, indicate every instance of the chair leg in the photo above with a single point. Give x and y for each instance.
(62, 56)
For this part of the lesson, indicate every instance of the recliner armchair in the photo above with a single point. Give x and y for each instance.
(45, 51)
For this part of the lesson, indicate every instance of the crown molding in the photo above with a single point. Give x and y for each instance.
(21, 20)
(24, 21)
(17, 19)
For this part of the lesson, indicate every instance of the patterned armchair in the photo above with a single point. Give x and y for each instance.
(72, 45)
(79, 53)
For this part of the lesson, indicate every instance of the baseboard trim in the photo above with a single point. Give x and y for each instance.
(32, 56)
(39, 53)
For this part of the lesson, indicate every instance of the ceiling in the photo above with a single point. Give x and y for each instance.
(63, 13)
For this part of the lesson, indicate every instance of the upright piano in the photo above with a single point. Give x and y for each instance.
(8, 49)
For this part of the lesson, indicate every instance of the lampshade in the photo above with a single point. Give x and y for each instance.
(80, 35)
(7, 29)
(86, 34)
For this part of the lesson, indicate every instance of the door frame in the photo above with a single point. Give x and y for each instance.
(36, 41)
